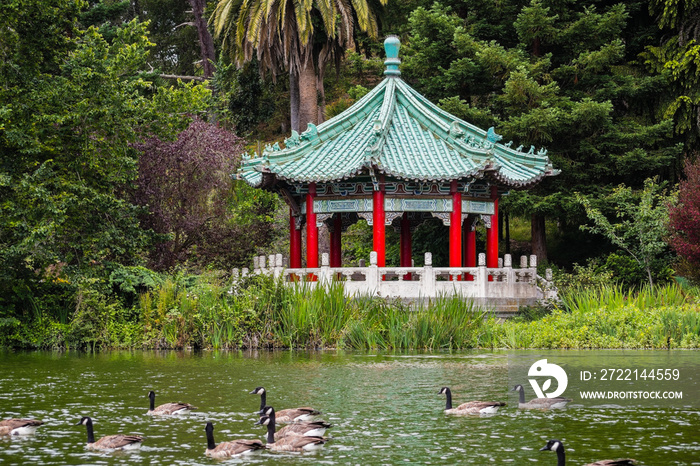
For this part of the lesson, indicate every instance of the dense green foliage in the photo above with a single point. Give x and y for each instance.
(567, 80)
(100, 156)
(207, 311)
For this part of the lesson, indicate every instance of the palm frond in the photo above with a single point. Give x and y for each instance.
(327, 10)
(363, 14)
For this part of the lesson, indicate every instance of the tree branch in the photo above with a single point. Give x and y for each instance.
(176, 76)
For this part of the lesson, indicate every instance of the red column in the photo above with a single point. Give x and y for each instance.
(294, 243)
(311, 231)
(378, 219)
(406, 245)
(456, 227)
(335, 240)
(469, 246)
(492, 234)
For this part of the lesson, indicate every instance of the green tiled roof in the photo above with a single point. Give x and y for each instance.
(396, 131)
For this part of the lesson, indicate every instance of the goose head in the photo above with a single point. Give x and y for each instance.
(258, 391)
(268, 411)
(518, 388)
(84, 421)
(553, 445)
(263, 421)
(444, 391)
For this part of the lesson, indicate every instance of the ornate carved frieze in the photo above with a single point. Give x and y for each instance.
(389, 217)
(393, 204)
(477, 207)
(396, 204)
(367, 216)
(487, 220)
(444, 216)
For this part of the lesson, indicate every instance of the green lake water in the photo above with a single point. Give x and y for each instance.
(384, 407)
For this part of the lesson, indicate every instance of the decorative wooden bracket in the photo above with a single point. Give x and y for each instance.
(296, 210)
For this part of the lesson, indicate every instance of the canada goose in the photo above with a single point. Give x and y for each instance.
(230, 448)
(110, 442)
(286, 415)
(539, 403)
(294, 443)
(19, 426)
(470, 407)
(308, 429)
(168, 408)
(556, 445)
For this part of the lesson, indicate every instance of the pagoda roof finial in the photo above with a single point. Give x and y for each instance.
(392, 62)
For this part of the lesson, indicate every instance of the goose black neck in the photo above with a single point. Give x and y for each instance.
(90, 432)
(448, 395)
(271, 431)
(522, 394)
(561, 456)
(153, 402)
(263, 399)
(210, 440)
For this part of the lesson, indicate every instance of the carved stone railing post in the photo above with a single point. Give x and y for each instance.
(256, 264)
(278, 270)
(482, 275)
(428, 276)
(325, 274)
(523, 262)
(261, 263)
(508, 268)
(373, 277)
(533, 268)
(234, 280)
(244, 272)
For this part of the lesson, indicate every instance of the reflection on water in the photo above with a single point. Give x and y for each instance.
(385, 409)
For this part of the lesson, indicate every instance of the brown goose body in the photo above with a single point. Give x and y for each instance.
(297, 444)
(308, 429)
(167, 409)
(296, 415)
(110, 442)
(289, 415)
(19, 426)
(292, 443)
(470, 407)
(116, 442)
(231, 448)
(558, 447)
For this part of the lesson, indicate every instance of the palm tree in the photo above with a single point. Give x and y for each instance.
(281, 34)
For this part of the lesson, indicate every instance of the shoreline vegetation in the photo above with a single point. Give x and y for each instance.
(204, 312)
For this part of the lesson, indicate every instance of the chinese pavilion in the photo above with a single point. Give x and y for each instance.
(394, 158)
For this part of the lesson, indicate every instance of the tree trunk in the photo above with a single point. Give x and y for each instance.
(536, 47)
(206, 43)
(539, 238)
(294, 100)
(321, 96)
(308, 96)
(507, 231)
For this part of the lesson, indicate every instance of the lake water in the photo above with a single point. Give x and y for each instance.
(384, 407)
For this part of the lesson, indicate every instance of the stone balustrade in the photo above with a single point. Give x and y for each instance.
(490, 286)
